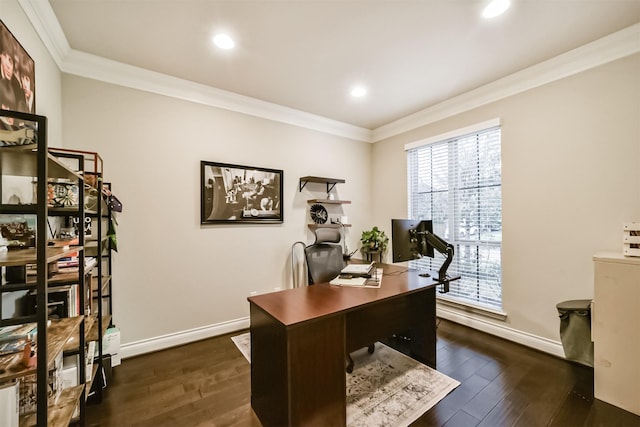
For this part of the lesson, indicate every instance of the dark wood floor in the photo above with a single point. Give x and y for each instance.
(207, 383)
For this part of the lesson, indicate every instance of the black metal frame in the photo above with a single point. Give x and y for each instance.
(43, 157)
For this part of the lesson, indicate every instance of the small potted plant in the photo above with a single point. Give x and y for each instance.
(373, 241)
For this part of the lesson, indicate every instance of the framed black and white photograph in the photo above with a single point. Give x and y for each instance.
(240, 194)
(17, 75)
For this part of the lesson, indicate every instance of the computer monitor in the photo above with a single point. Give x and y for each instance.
(413, 239)
(409, 239)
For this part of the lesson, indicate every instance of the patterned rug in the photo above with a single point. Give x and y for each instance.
(386, 388)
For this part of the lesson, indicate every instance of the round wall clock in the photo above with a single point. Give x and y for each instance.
(318, 214)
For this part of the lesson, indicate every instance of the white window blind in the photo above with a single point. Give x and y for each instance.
(457, 183)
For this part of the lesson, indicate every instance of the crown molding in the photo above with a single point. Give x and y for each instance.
(97, 68)
(615, 46)
(46, 24)
(609, 48)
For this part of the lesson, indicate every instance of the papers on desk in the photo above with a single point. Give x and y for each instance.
(354, 281)
(374, 282)
(357, 269)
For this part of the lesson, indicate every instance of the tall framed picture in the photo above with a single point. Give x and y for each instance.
(17, 75)
(240, 194)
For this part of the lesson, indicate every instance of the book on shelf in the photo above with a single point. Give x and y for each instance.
(13, 339)
(68, 262)
(17, 332)
(71, 265)
(11, 347)
(62, 301)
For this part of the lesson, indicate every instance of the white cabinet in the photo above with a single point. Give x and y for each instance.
(616, 330)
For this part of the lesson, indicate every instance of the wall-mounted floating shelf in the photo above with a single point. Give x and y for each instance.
(331, 182)
(316, 226)
(329, 201)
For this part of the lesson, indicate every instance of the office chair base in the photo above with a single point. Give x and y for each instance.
(370, 349)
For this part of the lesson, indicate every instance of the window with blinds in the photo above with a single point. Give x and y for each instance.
(457, 183)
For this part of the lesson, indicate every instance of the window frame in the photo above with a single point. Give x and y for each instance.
(449, 139)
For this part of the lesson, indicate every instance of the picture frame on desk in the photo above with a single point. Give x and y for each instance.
(235, 194)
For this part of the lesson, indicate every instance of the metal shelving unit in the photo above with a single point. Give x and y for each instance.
(29, 158)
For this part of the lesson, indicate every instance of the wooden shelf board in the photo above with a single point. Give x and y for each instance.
(329, 202)
(330, 182)
(19, 257)
(24, 162)
(31, 209)
(58, 333)
(90, 324)
(59, 415)
(89, 384)
(58, 279)
(64, 278)
(92, 335)
(71, 344)
(105, 287)
(26, 209)
(316, 226)
(12, 287)
(322, 180)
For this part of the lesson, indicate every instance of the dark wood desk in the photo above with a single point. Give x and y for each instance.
(300, 338)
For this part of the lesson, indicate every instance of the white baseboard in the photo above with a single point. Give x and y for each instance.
(539, 343)
(179, 338)
(183, 337)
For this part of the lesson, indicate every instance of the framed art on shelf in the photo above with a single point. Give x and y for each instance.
(240, 194)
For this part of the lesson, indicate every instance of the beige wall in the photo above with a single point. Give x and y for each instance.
(571, 174)
(172, 274)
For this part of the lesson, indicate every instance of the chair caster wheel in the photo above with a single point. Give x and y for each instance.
(350, 365)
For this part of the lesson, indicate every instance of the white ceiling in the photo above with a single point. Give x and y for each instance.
(306, 54)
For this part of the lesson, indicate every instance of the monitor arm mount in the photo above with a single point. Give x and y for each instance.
(444, 248)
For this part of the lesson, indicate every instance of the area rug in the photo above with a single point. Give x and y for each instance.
(386, 388)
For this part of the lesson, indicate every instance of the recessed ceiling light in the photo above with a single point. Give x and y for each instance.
(359, 91)
(496, 8)
(223, 41)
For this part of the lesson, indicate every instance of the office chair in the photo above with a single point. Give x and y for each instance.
(325, 262)
(324, 256)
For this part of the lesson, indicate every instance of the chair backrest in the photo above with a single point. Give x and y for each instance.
(324, 262)
(327, 235)
(324, 257)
